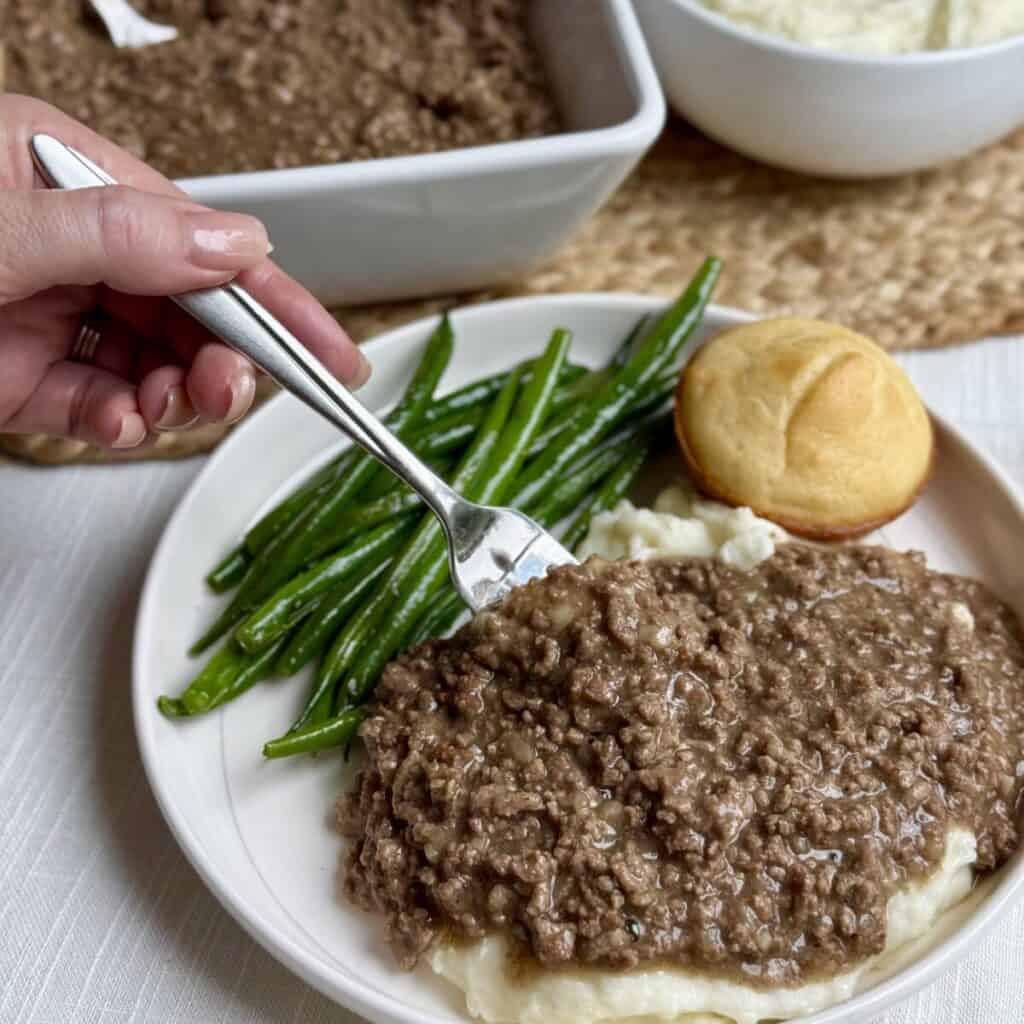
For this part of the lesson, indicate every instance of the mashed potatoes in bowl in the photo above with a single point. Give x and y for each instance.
(842, 90)
(878, 27)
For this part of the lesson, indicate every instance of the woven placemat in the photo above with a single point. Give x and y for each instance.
(921, 261)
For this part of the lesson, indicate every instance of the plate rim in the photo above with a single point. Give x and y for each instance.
(353, 993)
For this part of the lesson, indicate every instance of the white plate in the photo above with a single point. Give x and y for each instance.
(260, 833)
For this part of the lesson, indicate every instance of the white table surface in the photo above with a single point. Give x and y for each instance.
(101, 917)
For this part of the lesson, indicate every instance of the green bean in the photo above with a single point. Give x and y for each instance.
(480, 393)
(560, 417)
(436, 446)
(247, 596)
(401, 499)
(347, 642)
(449, 435)
(625, 350)
(570, 372)
(230, 672)
(258, 668)
(336, 732)
(364, 518)
(659, 350)
(451, 431)
(320, 707)
(171, 707)
(469, 399)
(432, 444)
(229, 570)
(563, 418)
(319, 627)
(614, 487)
(386, 484)
(588, 474)
(269, 526)
(440, 436)
(407, 606)
(591, 382)
(289, 604)
(280, 560)
(375, 502)
(457, 430)
(488, 487)
(217, 674)
(359, 628)
(438, 618)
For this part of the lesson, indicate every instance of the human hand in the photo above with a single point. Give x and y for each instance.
(103, 259)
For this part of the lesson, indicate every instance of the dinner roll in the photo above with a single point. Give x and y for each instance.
(807, 423)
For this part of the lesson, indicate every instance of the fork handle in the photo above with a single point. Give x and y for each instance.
(233, 315)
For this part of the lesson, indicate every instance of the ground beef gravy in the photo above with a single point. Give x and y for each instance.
(681, 763)
(255, 84)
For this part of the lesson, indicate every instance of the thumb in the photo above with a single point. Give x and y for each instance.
(134, 242)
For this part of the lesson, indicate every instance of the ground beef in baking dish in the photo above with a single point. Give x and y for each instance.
(678, 762)
(254, 84)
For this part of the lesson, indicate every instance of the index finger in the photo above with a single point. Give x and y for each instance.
(21, 117)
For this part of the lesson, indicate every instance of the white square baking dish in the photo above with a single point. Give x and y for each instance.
(446, 222)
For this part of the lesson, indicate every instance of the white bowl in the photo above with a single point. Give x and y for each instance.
(829, 113)
(445, 222)
(258, 832)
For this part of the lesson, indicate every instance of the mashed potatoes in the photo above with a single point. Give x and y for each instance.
(878, 26)
(582, 996)
(682, 524)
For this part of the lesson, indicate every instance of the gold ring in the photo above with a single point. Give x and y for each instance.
(84, 347)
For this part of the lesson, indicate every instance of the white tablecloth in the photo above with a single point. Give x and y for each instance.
(101, 917)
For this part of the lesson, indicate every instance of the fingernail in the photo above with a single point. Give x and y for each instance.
(243, 388)
(226, 241)
(364, 370)
(178, 413)
(133, 431)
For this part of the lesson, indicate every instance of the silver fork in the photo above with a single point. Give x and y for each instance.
(490, 550)
(128, 28)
